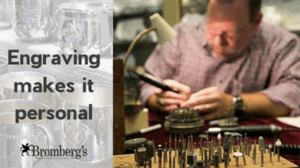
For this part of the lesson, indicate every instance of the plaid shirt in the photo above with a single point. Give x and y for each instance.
(270, 65)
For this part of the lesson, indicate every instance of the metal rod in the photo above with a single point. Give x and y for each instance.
(195, 160)
(205, 157)
(174, 162)
(278, 153)
(244, 159)
(165, 155)
(262, 157)
(254, 153)
(209, 158)
(192, 142)
(175, 145)
(170, 151)
(270, 151)
(154, 152)
(278, 144)
(159, 151)
(183, 158)
(226, 161)
(216, 160)
(274, 144)
(200, 149)
(189, 144)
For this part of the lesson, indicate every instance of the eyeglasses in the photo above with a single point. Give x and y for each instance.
(228, 35)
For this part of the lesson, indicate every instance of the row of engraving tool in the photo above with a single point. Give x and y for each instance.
(210, 152)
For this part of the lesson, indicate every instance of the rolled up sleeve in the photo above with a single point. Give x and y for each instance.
(284, 88)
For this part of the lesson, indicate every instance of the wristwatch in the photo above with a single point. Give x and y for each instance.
(238, 106)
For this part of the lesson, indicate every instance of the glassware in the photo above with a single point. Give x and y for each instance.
(95, 135)
(103, 30)
(16, 137)
(31, 19)
(83, 25)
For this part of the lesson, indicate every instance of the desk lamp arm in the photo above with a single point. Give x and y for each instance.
(135, 40)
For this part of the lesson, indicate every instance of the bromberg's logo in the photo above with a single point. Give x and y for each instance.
(25, 149)
(60, 152)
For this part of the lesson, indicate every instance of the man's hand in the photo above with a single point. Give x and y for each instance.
(211, 101)
(166, 100)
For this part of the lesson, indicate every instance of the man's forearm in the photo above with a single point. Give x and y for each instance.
(260, 105)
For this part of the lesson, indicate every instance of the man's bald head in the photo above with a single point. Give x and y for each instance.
(251, 7)
(225, 10)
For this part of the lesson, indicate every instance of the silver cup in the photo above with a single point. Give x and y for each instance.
(79, 26)
(8, 80)
(96, 134)
(14, 136)
(31, 19)
(103, 30)
(3, 65)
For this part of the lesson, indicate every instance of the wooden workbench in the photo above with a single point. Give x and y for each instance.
(127, 161)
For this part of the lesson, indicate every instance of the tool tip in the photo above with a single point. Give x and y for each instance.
(278, 143)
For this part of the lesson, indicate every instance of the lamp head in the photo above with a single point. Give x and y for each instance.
(163, 30)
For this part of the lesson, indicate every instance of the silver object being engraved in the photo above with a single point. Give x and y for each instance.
(184, 120)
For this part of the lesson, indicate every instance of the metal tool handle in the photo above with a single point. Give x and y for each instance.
(151, 80)
(258, 128)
